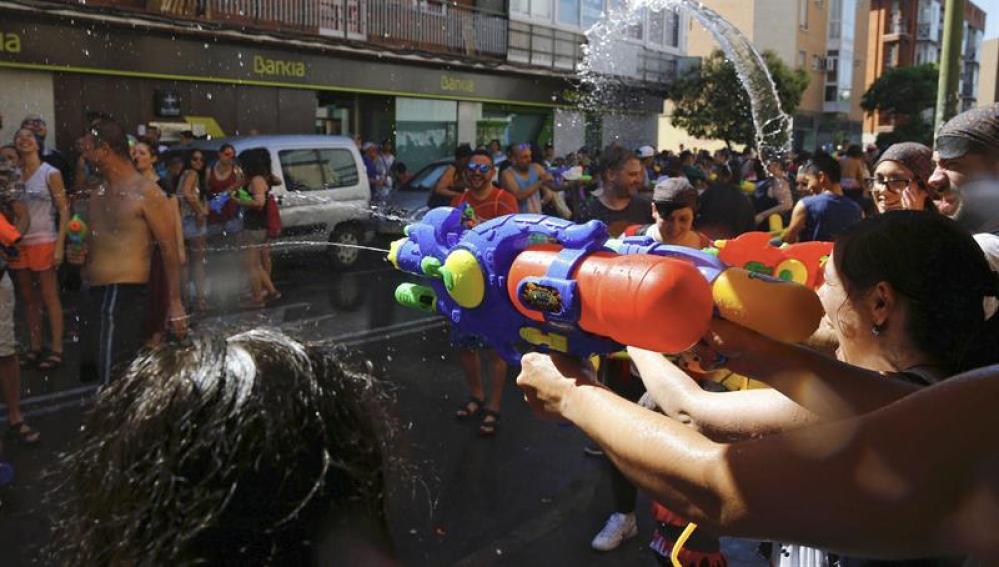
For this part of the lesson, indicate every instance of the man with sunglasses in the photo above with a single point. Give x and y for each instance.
(488, 202)
(128, 214)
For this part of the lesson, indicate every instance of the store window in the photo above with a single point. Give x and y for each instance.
(426, 130)
(514, 125)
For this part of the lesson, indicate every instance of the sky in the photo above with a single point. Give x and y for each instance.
(991, 8)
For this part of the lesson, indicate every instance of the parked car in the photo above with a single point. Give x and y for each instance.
(408, 203)
(322, 190)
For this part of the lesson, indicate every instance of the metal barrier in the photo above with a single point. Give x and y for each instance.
(431, 25)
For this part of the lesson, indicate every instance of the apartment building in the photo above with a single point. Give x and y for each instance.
(818, 36)
(551, 34)
(910, 32)
(428, 74)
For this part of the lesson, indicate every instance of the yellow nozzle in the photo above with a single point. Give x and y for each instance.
(463, 279)
(393, 255)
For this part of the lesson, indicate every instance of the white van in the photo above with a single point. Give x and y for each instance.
(322, 192)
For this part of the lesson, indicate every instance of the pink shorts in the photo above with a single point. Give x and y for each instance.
(34, 257)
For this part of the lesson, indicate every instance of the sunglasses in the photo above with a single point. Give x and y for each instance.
(480, 168)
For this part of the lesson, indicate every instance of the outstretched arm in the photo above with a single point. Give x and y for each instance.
(824, 385)
(725, 416)
(862, 485)
(797, 224)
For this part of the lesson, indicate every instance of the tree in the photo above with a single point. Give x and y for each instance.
(711, 103)
(905, 94)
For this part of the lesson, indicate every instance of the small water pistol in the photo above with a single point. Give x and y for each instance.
(531, 282)
(76, 235)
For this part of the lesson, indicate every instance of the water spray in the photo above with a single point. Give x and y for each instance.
(774, 128)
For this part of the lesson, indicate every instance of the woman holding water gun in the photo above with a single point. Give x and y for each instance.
(899, 331)
(256, 165)
(224, 176)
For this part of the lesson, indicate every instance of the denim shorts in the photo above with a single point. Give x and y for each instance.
(192, 229)
(230, 227)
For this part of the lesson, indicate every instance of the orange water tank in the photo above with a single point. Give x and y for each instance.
(652, 302)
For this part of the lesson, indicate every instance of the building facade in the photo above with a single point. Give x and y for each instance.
(988, 82)
(427, 75)
(903, 33)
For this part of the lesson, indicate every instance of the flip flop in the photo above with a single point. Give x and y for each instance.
(23, 434)
(489, 428)
(464, 412)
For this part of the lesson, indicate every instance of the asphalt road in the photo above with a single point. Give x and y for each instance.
(528, 496)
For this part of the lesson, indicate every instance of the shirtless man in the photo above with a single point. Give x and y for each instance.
(126, 215)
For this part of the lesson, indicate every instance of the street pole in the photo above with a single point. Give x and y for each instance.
(950, 62)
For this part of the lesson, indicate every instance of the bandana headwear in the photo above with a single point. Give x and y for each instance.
(973, 131)
(914, 156)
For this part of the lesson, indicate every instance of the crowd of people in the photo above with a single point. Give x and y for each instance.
(866, 443)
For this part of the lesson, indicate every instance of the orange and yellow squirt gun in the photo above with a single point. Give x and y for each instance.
(530, 282)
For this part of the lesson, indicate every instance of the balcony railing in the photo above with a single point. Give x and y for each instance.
(427, 25)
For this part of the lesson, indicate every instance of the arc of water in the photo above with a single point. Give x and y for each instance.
(773, 126)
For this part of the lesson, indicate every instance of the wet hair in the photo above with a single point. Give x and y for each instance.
(108, 131)
(235, 450)
(462, 151)
(256, 163)
(854, 151)
(941, 274)
(225, 147)
(686, 154)
(482, 153)
(154, 149)
(825, 163)
(613, 158)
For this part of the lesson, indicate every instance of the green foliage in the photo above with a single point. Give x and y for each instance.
(710, 102)
(904, 93)
(903, 90)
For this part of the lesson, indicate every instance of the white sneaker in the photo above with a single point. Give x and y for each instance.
(618, 528)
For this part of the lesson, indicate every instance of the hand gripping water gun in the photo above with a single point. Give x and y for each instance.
(76, 234)
(801, 263)
(218, 202)
(548, 284)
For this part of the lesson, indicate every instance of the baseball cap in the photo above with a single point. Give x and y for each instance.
(646, 152)
(972, 131)
(675, 191)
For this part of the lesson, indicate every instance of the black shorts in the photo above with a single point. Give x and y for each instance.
(111, 329)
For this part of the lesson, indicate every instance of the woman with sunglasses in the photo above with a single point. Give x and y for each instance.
(194, 216)
(901, 176)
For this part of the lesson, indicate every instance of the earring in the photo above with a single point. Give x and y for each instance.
(876, 330)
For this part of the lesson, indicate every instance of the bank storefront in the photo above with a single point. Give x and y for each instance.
(229, 83)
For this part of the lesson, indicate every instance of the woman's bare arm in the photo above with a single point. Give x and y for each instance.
(889, 483)
(823, 385)
(724, 416)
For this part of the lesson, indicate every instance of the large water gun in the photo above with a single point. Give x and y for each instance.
(757, 252)
(531, 282)
(76, 235)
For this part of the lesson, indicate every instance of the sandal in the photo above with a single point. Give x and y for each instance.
(53, 360)
(488, 427)
(31, 358)
(22, 433)
(469, 409)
